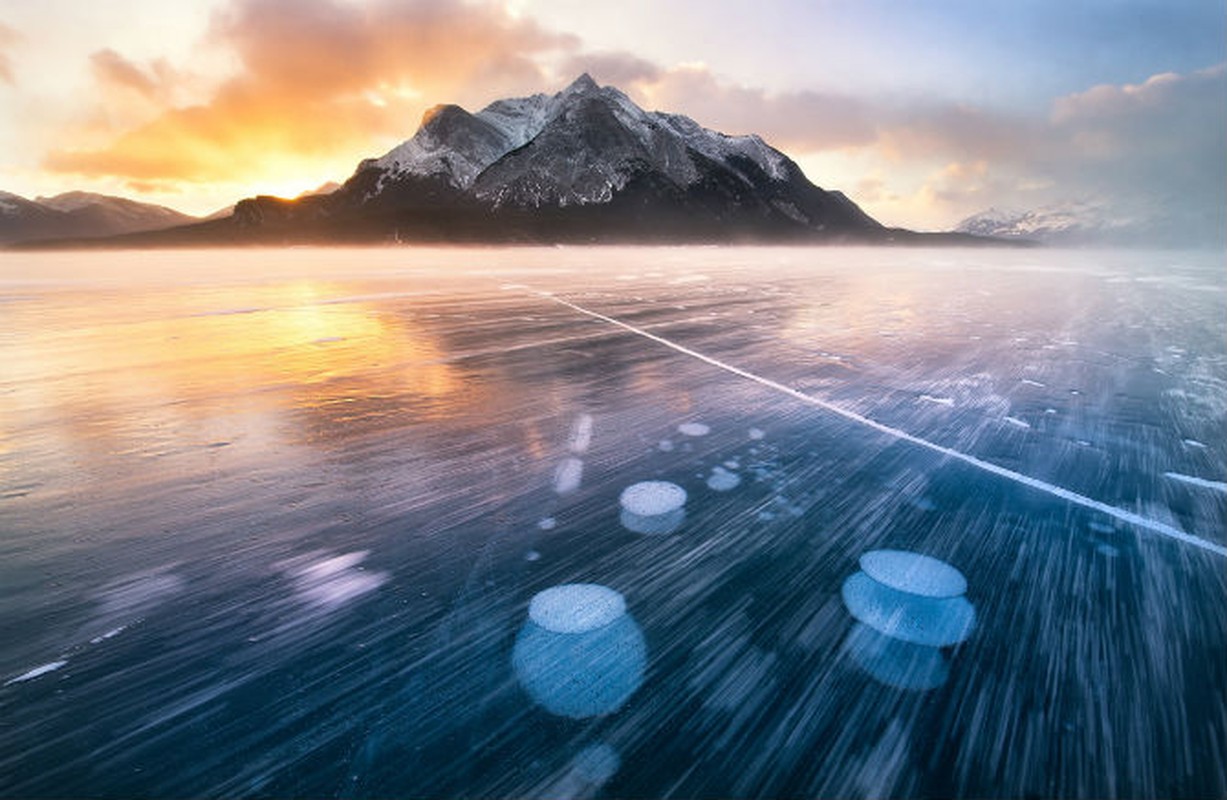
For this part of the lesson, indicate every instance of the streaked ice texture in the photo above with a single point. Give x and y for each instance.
(594, 667)
(693, 429)
(652, 498)
(936, 622)
(597, 763)
(576, 607)
(913, 573)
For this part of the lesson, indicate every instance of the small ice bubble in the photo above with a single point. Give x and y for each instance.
(693, 429)
(547, 523)
(732, 464)
(652, 498)
(721, 480)
(576, 607)
(665, 445)
(757, 434)
(1100, 527)
(1030, 382)
(1050, 411)
(913, 573)
(1105, 549)
(1018, 423)
(532, 555)
(568, 475)
(941, 401)
(36, 672)
(1194, 443)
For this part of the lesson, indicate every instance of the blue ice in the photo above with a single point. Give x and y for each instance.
(913, 573)
(908, 617)
(901, 665)
(591, 657)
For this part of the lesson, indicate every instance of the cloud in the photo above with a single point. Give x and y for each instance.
(8, 38)
(803, 120)
(317, 78)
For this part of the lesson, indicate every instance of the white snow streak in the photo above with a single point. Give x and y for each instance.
(1124, 515)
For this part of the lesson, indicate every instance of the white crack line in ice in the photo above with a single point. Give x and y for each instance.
(1026, 480)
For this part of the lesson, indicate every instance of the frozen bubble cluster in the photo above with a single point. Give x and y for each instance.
(908, 607)
(653, 507)
(579, 654)
(723, 480)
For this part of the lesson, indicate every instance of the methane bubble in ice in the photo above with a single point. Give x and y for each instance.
(652, 498)
(913, 573)
(657, 525)
(579, 654)
(901, 665)
(693, 429)
(597, 763)
(568, 475)
(936, 622)
(722, 480)
(576, 607)
(757, 433)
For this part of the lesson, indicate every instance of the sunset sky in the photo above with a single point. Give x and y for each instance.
(923, 112)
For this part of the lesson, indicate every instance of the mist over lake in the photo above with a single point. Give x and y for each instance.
(860, 522)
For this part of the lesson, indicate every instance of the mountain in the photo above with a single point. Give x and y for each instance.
(1074, 223)
(585, 164)
(80, 214)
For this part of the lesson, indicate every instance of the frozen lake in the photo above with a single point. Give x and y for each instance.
(613, 523)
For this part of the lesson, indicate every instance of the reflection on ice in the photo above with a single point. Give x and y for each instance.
(579, 654)
(901, 665)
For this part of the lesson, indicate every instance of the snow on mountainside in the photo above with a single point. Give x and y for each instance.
(458, 147)
(1063, 223)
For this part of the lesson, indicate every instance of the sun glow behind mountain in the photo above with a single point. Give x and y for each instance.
(937, 115)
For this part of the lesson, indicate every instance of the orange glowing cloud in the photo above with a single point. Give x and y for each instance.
(318, 80)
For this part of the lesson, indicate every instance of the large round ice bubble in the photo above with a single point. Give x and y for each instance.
(576, 607)
(581, 675)
(931, 621)
(652, 498)
(901, 665)
(913, 573)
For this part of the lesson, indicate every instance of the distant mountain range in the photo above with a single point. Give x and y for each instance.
(80, 214)
(586, 164)
(1075, 223)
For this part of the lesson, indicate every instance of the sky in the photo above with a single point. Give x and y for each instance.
(922, 112)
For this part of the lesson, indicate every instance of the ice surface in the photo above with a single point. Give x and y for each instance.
(901, 665)
(581, 675)
(652, 498)
(36, 672)
(568, 475)
(935, 622)
(693, 429)
(576, 607)
(722, 480)
(913, 573)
